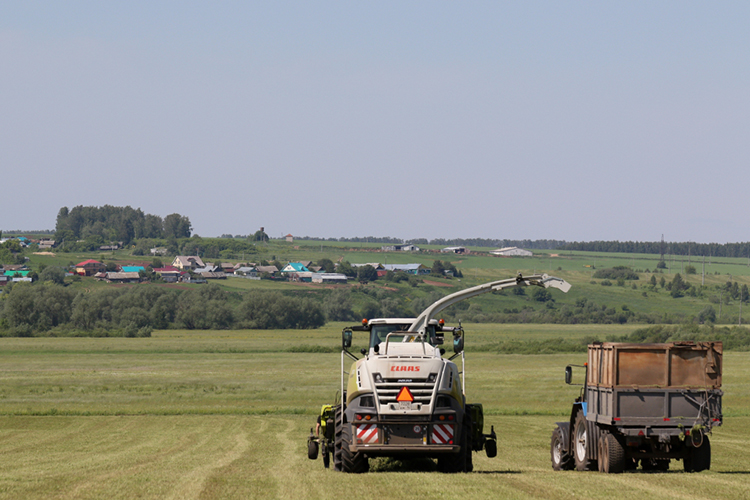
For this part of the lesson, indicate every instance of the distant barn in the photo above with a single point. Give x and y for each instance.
(511, 252)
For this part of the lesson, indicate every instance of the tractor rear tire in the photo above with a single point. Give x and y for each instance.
(561, 459)
(698, 458)
(581, 444)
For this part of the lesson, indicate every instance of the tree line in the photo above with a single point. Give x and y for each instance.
(125, 224)
(658, 247)
(45, 308)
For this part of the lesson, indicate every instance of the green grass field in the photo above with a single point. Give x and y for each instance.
(216, 415)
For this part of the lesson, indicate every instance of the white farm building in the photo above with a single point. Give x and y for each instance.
(511, 252)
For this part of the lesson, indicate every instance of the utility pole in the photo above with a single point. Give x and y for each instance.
(703, 272)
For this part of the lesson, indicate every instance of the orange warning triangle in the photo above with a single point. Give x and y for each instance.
(404, 395)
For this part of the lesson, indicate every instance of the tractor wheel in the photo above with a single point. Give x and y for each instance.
(351, 462)
(312, 449)
(561, 459)
(611, 454)
(581, 444)
(699, 457)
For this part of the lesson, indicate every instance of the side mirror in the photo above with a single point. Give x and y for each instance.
(346, 339)
(568, 374)
(458, 342)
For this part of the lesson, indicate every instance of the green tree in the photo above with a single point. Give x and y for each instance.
(366, 273)
(259, 235)
(438, 269)
(653, 280)
(177, 226)
(52, 274)
(690, 269)
(346, 268)
(326, 265)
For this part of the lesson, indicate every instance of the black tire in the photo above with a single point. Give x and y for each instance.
(698, 458)
(561, 459)
(337, 432)
(490, 448)
(580, 444)
(468, 427)
(312, 449)
(611, 454)
(351, 462)
(457, 462)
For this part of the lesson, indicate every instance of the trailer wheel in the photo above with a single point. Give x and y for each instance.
(312, 449)
(698, 458)
(561, 459)
(490, 448)
(581, 444)
(611, 454)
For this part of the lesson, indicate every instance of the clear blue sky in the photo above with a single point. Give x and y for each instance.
(562, 120)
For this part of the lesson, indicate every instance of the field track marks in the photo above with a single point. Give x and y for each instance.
(192, 484)
(290, 457)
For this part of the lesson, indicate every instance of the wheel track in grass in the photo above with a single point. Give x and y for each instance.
(193, 483)
(288, 464)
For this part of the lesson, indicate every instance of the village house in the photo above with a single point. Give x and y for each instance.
(90, 267)
(408, 268)
(295, 267)
(187, 262)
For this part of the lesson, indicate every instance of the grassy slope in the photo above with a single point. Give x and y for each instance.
(482, 268)
(225, 415)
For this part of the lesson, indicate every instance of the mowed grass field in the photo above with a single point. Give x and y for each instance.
(214, 415)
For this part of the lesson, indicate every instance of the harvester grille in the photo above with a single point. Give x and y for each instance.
(387, 391)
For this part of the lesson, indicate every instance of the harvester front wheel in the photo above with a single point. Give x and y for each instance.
(461, 461)
(351, 462)
(338, 428)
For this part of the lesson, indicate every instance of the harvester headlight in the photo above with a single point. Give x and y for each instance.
(377, 378)
(432, 377)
